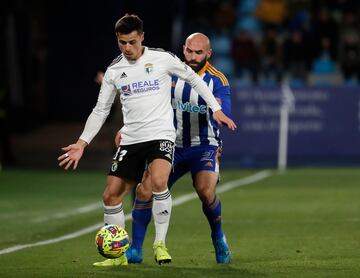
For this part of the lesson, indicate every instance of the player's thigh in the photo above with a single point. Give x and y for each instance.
(159, 171)
(205, 170)
(116, 189)
(159, 157)
(205, 183)
(204, 158)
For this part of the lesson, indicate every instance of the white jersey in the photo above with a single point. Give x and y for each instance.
(144, 87)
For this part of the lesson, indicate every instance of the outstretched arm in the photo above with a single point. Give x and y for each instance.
(222, 119)
(96, 119)
(222, 95)
(203, 90)
(72, 155)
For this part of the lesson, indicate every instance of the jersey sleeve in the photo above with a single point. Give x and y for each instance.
(222, 92)
(101, 110)
(183, 71)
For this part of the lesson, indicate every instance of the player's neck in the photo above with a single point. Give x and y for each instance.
(203, 69)
(141, 53)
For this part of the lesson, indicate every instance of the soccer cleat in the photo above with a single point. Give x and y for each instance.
(134, 255)
(113, 262)
(222, 251)
(160, 253)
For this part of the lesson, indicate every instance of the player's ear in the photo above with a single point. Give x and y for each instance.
(142, 36)
(208, 55)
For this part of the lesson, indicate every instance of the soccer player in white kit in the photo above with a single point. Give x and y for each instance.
(142, 77)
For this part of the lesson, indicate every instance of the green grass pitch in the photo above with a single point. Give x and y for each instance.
(303, 223)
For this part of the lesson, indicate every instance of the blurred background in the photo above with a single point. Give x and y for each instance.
(52, 51)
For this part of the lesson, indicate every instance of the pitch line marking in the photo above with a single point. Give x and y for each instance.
(176, 202)
(77, 211)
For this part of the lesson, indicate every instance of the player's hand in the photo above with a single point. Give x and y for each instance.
(221, 119)
(117, 138)
(72, 155)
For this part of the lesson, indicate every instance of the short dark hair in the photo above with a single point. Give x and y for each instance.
(129, 23)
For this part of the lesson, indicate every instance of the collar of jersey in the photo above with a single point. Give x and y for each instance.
(204, 68)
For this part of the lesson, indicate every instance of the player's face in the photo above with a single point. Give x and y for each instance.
(131, 44)
(196, 54)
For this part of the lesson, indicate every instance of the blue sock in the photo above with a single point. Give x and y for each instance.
(141, 215)
(213, 215)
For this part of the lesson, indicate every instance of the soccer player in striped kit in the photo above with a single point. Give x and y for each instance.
(198, 148)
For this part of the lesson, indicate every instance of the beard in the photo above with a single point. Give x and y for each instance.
(196, 66)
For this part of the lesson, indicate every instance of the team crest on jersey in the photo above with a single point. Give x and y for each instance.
(149, 67)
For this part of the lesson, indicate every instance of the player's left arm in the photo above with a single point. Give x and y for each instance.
(176, 67)
(222, 94)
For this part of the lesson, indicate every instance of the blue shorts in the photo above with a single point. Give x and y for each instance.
(194, 159)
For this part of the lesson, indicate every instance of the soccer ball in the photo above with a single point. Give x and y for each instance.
(112, 241)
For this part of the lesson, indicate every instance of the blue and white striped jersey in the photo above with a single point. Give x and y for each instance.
(192, 117)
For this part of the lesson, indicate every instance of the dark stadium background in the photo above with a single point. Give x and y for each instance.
(59, 48)
(62, 44)
(55, 48)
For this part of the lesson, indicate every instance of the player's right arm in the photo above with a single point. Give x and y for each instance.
(102, 109)
(73, 154)
(96, 119)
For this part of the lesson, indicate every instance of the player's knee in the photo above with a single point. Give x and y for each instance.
(159, 183)
(206, 195)
(109, 199)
